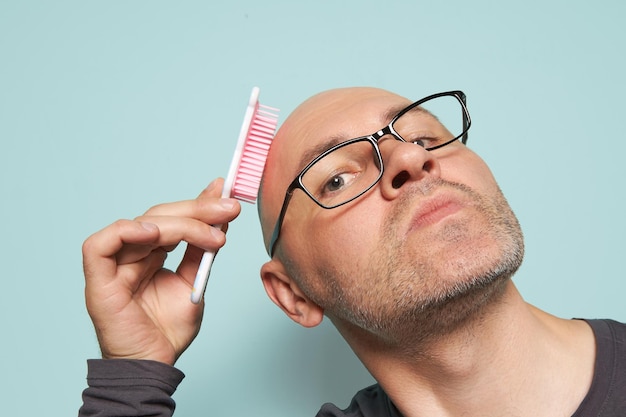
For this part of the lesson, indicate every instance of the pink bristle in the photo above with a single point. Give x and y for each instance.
(245, 170)
(254, 154)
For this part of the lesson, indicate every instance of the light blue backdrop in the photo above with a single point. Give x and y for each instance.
(107, 108)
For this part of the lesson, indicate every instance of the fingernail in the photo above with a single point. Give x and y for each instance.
(217, 233)
(151, 227)
(211, 185)
(227, 203)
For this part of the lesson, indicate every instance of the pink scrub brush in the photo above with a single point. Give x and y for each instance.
(244, 176)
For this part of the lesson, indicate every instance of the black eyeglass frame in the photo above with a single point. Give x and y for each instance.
(373, 139)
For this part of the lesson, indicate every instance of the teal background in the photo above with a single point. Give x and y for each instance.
(107, 108)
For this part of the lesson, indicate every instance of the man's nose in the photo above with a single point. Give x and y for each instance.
(405, 162)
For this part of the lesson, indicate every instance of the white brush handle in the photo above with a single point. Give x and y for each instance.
(204, 269)
(202, 276)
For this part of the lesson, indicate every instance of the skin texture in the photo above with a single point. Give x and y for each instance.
(141, 310)
(395, 269)
(415, 274)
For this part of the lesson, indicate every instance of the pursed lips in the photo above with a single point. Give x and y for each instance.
(434, 209)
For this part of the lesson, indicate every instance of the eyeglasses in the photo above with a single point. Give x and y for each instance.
(349, 169)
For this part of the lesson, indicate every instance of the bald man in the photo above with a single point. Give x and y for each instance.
(376, 215)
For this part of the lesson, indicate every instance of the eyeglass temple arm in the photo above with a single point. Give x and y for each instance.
(279, 221)
(466, 118)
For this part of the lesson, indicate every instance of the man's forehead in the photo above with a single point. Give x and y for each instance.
(317, 124)
(340, 122)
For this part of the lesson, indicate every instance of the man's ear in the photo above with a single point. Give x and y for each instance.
(287, 295)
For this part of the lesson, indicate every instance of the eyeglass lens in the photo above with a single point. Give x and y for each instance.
(353, 167)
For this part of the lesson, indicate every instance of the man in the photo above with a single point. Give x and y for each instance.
(400, 237)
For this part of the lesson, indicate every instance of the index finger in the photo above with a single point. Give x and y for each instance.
(99, 249)
(209, 207)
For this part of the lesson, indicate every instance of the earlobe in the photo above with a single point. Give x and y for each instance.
(288, 296)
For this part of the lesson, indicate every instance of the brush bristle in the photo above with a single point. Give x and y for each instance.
(254, 154)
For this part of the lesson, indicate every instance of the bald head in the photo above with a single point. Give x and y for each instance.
(317, 124)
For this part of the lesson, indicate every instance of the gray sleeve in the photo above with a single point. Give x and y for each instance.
(120, 387)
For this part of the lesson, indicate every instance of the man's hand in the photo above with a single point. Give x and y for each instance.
(141, 310)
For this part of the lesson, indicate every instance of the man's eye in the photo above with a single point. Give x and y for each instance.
(338, 182)
(427, 141)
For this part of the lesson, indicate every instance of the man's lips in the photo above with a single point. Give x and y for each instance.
(435, 209)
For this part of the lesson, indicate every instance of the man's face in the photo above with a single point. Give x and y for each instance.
(433, 234)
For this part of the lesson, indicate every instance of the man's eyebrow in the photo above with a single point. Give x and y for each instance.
(392, 112)
(317, 150)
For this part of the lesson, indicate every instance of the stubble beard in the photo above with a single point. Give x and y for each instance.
(404, 298)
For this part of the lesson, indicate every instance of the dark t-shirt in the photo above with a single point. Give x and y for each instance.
(144, 388)
(607, 395)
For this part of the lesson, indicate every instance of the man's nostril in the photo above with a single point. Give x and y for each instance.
(400, 179)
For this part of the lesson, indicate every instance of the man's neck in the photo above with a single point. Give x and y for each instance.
(510, 359)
